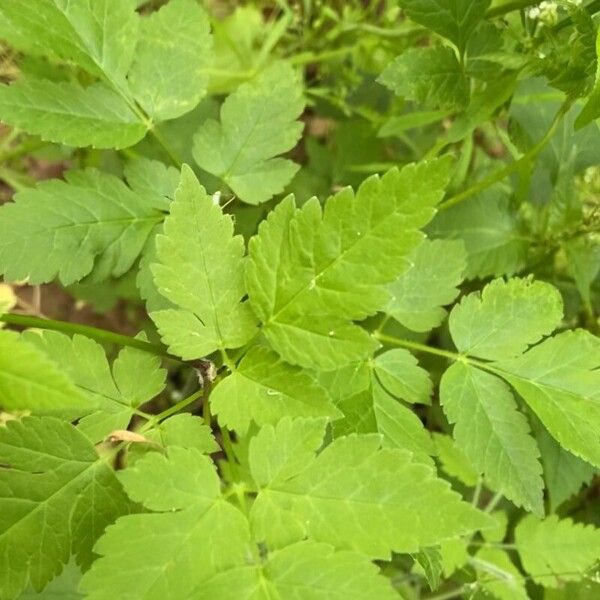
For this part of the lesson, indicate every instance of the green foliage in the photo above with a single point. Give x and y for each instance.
(258, 122)
(360, 244)
(52, 467)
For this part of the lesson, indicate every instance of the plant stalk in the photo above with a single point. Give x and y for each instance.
(100, 335)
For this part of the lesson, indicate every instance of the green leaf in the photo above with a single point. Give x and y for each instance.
(303, 570)
(263, 389)
(113, 395)
(152, 178)
(98, 36)
(63, 587)
(183, 478)
(8, 300)
(313, 271)
(30, 381)
(200, 270)
(453, 460)
(532, 110)
(497, 575)
(453, 19)
(258, 123)
(556, 550)
(491, 232)
(430, 560)
(50, 477)
(505, 318)
(69, 114)
(431, 76)
(185, 431)
(351, 487)
(591, 110)
(564, 473)
(367, 393)
(66, 229)
(167, 554)
(493, 434)
(559, 380)
(168, 76)
(399, 374)
(418, 295)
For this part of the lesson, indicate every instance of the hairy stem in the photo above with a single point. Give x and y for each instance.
(100, 335)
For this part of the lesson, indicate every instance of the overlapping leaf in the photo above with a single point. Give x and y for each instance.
(200, 270)
(30, 381)
(124, 51)
(312, 272)
(493, 434)
(112, 394)
(258, 123)
(49, 478)
(168, 76)
(556, 550)
(264, 389)
(353, 494)
(419, 294)
(431, 76)
(66, 229)
(199, 546)
(454, 19)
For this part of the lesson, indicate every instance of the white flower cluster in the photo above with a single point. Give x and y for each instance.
(546, 12)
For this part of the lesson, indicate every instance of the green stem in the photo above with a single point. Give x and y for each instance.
(503, 9)
(100, 335)
(172, 410)
(228, 448)
(498, 176)
(388, 339)
(491, 505)
(477, 493)
(452, 593)
(312, 57)
(177, 162)
(454, 356)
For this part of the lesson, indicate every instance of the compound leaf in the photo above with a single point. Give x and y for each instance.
(167, 554)
(350, 488)
(493, 434)
(312, 272)
(258, 122)
(66, 229)
(200, 270)
(505, 318)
